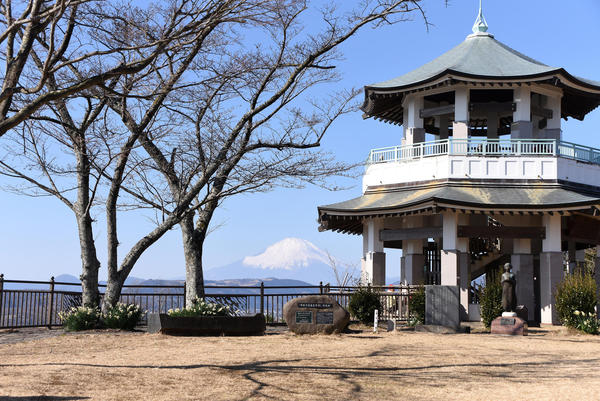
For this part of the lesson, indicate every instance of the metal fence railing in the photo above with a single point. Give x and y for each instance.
(38, 303)
(485, 147)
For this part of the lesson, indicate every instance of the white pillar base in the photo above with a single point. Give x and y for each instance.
(373, 269)
(464, 284)
(551, 273)
(454, 262)
(413, 269)
(449, 262)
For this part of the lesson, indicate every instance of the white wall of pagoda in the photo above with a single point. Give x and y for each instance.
(480, 167)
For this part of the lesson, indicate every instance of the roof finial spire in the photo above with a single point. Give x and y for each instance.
(480, 23)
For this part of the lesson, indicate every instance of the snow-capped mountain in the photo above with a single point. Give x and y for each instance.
(287, 254)
(290, 258)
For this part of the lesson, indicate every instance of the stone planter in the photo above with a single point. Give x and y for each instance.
(207, 325)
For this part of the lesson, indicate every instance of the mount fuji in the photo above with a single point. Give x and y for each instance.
(290, 258)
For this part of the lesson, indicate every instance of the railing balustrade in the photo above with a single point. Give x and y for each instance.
(485, 147)
(40, 307)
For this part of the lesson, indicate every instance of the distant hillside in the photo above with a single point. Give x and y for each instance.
(67, 278)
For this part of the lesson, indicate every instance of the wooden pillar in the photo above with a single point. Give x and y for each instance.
(572, 254)
(50, 306)
(443, 127)
(492, 125)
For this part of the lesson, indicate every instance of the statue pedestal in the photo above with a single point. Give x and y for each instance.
(509, 325)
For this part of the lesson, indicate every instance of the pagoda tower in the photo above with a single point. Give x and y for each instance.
(481, 177)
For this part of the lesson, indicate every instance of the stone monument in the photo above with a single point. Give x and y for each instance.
(315, 314)
(509, 323)
(442, 310)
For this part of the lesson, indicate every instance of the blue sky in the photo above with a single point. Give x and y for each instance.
(38, 236)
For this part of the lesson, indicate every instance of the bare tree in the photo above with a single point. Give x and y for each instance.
(236, 79)
(251, 121)
(97, 153)
(63, 36)
(346, 274)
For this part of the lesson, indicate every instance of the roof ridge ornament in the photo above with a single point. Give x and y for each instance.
(480, 24)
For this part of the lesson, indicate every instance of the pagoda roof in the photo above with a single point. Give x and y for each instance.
(482, 58)
(463, 196)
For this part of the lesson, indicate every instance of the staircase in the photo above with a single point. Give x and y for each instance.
(484, 251)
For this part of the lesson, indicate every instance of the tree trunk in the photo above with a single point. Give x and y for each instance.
(193, 242)
(113, 291)
(89, 263)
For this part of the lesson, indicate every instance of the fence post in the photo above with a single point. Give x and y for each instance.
(184, 294)
(1, 296)
(50, 306)
(321, 287)
(262, 297)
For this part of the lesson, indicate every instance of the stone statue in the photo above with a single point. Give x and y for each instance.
(509, 296)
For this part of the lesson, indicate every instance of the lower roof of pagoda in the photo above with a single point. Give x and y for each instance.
(466, 197)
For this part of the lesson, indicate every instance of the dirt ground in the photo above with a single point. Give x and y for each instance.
(549, 364)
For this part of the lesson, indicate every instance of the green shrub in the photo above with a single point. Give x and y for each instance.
(416, 306)
(122, 316)
(490, 301)
(577, 292)
(363, 304)
(80, 318)
(200, 307)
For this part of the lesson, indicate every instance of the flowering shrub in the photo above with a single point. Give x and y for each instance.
(576, 293)
(80, 318)
(122, 316)
(586, 322)
(200, 307)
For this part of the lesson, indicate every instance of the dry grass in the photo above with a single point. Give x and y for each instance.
(282, 366)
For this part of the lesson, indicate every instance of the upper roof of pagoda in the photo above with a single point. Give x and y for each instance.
(481, 59)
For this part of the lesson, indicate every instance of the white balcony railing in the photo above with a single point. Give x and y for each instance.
(486, 147)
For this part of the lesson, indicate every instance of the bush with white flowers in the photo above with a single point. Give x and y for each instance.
(122, 316)
(586, 322)
(80, 318)
(576, 300)
(200, 307)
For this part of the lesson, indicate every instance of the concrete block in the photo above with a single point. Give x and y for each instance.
(442, 305)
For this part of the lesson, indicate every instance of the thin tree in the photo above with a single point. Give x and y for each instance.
(97, 154)
(251, 121)
(62, 36)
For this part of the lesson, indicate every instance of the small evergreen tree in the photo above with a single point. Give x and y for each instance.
(490, 300)
(416, 306)
(363, 304)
